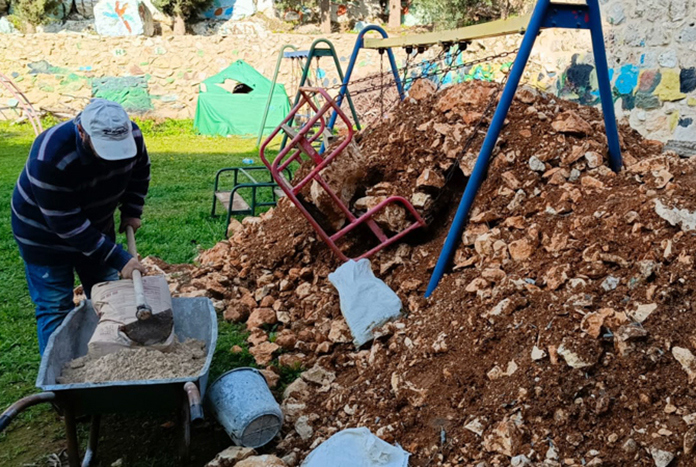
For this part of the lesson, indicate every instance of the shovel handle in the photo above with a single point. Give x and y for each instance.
(143, 310)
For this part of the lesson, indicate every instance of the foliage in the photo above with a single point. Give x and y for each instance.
(448, 14)
(182, 8)
(35, 11)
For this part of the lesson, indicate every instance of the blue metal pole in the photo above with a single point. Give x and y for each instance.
(359, 44)
(605, 93)
(481, 167)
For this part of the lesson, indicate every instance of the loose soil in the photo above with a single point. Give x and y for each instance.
(183, 360)
(562, 333)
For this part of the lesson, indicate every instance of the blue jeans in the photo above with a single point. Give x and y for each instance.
(51, 290)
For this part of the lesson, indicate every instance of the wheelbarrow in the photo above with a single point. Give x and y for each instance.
(194, 318)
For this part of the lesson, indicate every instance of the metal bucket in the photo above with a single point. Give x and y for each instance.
(245, 407)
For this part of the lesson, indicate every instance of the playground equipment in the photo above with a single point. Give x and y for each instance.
(263, 192)
(28, 110)
(302, 142)
(546, 14)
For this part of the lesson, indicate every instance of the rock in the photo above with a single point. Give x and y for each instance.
(519, 461)
(122, 18)
(303, 290)
(339, 333)
(303, 428)
(291, 360)
(297, 389)
(475, 426)
(536, 165)
(661, 458)
(263, 353)
(689, 441)
(505, 439)
(440, 345)
(594, 159)
(231, 456)
(286, 339)
(266, 460)
(261, 316)
(234, 227)
(641, 313)
(570, 122)
(527, 94)
(591, 182)
(687, 361)
(630, 446)
(610, 283)
(592, 322)
(626, 335)
(421, 200)
(6, 27)
(556, 276)
(422, 89)
(430, 180)
(319, 375)
(291, 459)
(271, 378)
(520, 249)
(572, 358)
(682, 217)
(496, 372)
(391, 217)
(236, 312)
(537, 353)
(477, 284)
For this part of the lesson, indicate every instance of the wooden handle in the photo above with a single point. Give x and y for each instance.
(143, 309)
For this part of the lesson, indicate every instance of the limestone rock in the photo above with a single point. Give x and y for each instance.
(682, 217)
(661, 458)
(570, 122)
(687, 361)
(319, 375)
(505, 439)
(231, 456)
(521, 249)
(297, 389)
(642, 312)
(261, 461)
(261, 316)
(303, 428)
(422, 89)
(391, 217)
(626, 335)
(430, 180)
(263, 353)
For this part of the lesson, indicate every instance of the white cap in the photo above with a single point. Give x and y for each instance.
(110, 130)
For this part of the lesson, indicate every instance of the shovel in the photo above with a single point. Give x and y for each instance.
(150, 328)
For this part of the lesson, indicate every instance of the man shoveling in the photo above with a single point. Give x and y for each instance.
(63, 207)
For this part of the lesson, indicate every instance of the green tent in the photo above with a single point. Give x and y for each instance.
(233, 101)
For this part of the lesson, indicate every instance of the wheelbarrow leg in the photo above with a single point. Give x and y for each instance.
(71, 435)
(91, 452)
(185, 448)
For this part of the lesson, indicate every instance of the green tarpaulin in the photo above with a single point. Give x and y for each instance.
(233, 101)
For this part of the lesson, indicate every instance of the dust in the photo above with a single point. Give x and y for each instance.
(183, 360)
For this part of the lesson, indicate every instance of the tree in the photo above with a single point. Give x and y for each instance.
(34, 12)
(394, 13)
(325, 16)
(182, 10)
(448, 14)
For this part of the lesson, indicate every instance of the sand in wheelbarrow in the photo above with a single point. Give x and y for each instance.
(184, 359)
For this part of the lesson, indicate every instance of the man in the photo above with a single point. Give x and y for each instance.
(63, 207)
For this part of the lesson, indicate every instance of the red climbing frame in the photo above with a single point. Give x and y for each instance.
(301, 141)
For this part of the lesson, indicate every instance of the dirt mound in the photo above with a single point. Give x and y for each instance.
(562, 335)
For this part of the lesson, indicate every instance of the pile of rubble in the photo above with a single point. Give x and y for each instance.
(563, 334)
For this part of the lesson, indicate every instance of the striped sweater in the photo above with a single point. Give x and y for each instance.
(64, 201)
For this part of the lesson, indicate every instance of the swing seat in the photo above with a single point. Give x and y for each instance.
(302, 141)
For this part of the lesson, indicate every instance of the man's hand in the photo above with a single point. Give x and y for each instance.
(132, 221)
(132, 265)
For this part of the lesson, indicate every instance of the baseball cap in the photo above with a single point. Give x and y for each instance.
(110, 130)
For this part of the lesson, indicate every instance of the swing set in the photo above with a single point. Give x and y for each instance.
(546, 14)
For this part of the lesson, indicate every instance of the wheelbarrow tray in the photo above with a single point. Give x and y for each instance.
(194, 318)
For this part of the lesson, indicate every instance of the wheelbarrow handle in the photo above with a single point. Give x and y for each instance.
(23, 404)
(194, 399)
(143, 310)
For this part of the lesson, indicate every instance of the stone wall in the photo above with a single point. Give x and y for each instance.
(649, 44)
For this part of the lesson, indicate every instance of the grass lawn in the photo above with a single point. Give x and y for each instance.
(176, 224)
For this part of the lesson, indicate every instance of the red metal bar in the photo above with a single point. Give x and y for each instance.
(302, 143)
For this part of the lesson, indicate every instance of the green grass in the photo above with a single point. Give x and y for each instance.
(176, 226)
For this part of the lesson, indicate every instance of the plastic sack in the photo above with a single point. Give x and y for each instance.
(356, 447)
(366, 301)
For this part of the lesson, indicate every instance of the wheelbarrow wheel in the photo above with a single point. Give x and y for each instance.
(185, 423)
